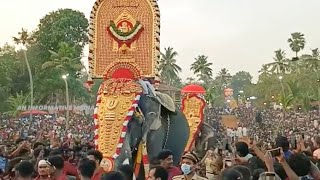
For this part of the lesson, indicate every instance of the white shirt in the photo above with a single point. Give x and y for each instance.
(239, 132)
(244, 131)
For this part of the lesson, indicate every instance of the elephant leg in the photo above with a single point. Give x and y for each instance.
(178, 134)
(130, 143)
(155, 142)
(125, 156)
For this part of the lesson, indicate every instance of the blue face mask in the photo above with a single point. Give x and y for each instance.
(186, 169)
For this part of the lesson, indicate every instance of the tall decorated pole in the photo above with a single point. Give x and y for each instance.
(124, 48)
(193, 104)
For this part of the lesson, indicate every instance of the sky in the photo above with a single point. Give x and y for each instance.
(235, 34)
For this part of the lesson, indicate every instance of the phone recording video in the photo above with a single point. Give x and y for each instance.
(293, 142)
(228, 162)
(275, 152)
(270, 176)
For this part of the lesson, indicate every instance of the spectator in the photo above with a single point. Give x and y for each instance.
(188, 166)
(24, 170)
(283, 142)
(316, 153)
(86, 169)
(57, 163)
(300, 164)
(44, 170)
(96, 156)
(3, 160)
(127, 171)
(243, 150)
(165, 158)
(158, 173)
(113, 175)
(231, 174)
(246, 174)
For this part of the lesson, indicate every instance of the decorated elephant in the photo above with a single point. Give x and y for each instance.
(152, 123)
(159, 124)
(205, 140)
(133, 122)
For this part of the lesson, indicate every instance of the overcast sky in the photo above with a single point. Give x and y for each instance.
(236, 34)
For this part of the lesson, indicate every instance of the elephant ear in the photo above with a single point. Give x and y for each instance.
(166, 101)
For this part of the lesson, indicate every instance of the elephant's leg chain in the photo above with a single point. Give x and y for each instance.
(168, 130)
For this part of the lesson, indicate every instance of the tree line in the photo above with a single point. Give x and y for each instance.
(55, 49)
(292, 82)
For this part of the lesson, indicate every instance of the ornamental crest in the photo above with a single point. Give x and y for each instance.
(125, 31)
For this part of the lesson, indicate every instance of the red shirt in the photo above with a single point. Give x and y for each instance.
(98, 174)
(70, 169)
(62, 177)
(38, 178)
(173, 171)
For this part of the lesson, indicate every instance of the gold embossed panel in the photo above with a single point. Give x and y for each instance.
(124, 31)
(192, 108)
(112, 113)
(117, 98)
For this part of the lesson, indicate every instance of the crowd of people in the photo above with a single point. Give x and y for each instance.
(275, 144)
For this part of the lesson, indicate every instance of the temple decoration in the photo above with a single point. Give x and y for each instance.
(117, 100)
(124, 31)
(229, 100)
(124, 46)
(193, 105)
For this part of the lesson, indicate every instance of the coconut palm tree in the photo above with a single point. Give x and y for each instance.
(280, 64)
(15, 102)
(190, 80)
(312, 61)
(64, 60)
(169, 69)
(264, 71)
(224, 77)
(297, 42)
(202, 68)
(24, 38)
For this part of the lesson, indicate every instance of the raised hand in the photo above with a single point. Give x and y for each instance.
(269, 161)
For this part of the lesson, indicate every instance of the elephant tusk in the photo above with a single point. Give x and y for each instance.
(126, 161)
(152, 113)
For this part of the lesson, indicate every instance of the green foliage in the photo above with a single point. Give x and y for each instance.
(201, 67)
(169, 70)
(15, 101)
(280, 64)
(64, 25)
(54, 49)
(239, 81)
(24, 38)
(297, 42)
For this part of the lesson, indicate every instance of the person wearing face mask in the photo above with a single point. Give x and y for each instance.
(188, 167)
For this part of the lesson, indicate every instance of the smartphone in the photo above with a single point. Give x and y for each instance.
(293, 142)
(275, 152)
(228, 162)
(270, 176)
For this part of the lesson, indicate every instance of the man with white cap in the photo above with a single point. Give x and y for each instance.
(44, 170)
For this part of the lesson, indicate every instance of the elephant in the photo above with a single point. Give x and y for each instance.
(160, 126)
(205, 140)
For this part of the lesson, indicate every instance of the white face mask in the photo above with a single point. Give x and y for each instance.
(186, 169)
